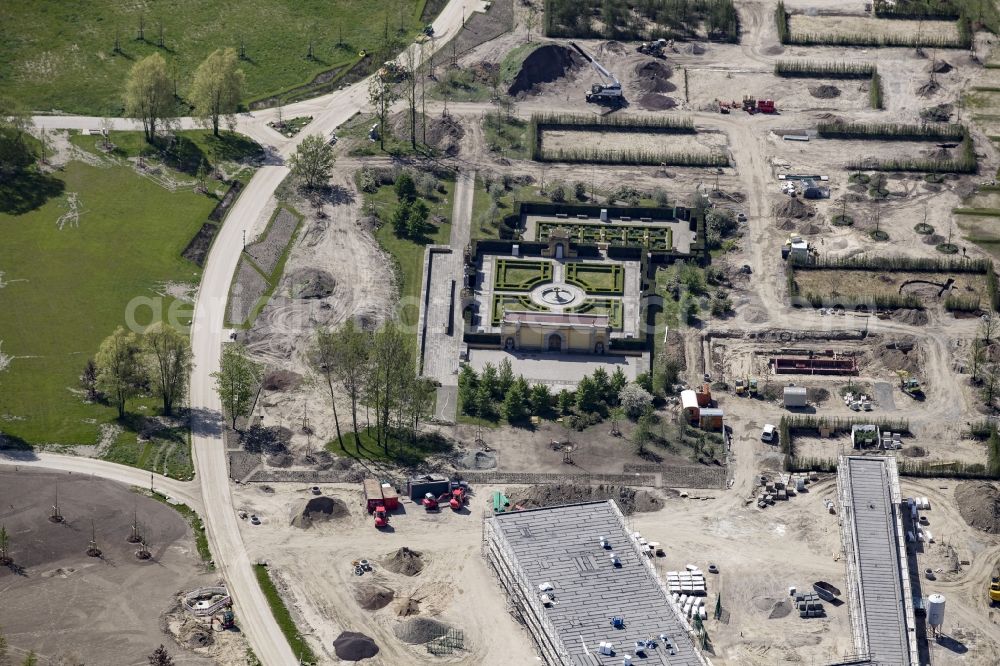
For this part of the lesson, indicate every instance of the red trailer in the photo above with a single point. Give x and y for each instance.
(373, 494)
(390, 496)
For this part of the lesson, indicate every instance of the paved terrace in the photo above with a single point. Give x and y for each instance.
(881, 605)
(561, 546)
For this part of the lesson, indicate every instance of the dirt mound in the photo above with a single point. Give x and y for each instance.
(695, 49)
(420, 630)
(939, 67)
(780, 609)
(825, 91)
(629, 499)
(612, 46)
(928, 89)
(404, 561)
(372, 597)
(544, 65)
(915, 452)
(477, 460)
(786, 225)
(654, 76)
(939, 153)
(311, 283)
(352, 646)
(979, 504)
(897, 357)
(795, 208)
(281, 380)
(318, 509)
(811, 229)
(910, 316)
(656, 102)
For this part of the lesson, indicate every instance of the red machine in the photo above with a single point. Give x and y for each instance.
(430, 502)
(381, 516)
(458, 498)
(766, 106)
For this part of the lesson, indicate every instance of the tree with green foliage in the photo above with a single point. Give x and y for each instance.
(645, 380)
(390, 369)
(618, 382)
(237, 381)
(602, 383)
(580, 190)
(484, 401)
(515, 403)
(635, 400)
(993, 454)
(5, 559)
(161, 657)
(418, 403)
(587, 395)
(688, 308)
(540, 399)
(218, 88)
(350, 362)
(312, 162)
(400, 219)
(721, 303)
(558, 193)
(382, 94)
(121, 372)
(149, 94)
(490, 380)
(468, 382)
(16, 153)
(505, 376)
(564, 402)
(168, 356)
(405, 187)
(416, 220)
(642, 436)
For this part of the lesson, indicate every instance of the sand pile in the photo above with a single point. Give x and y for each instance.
(939, 67)
(656, 102)
(825, 91)
(371, 596)
(898, 357)
(281, 380)
(477, 460)
(794, 207)
(311, 283)
(352, 646)
(654, 76)
(928, 89)
(404, 561)
(629, 500)
(318, 509)
(420, 630)
(544, 65)
(780, 609)
(910, 316)
(979, 504)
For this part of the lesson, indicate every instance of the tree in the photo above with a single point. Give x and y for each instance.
(88, 380)
(615, 415)
(564, 401)
(505, 376)
(580, 190)
(558, 193)
(382, 94)
(587, 395)
(323, 359)
(390, 367)
(5, 559)
(635, 400)
(977, 357)
(169, 362)
(406, 189)
(120, 370)
(618, 382)
(16, 153)
(400, 219)
(312, 162)
(988, 328)
(602, 383)
(515, 402)
(217, 88)
(484, 402)
(416, 220)
(540, 399)
(351, 364)
(468, 382)
(490, 380)
(412, 57)
(161, 657)
(237, 381)
(993, 454)
(149, 94)
(991, 380)
(643, 433)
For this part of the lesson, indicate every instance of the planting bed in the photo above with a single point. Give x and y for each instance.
(871, 31)
(621, 147)
(596, 278)
(514, 275)
(248, 289)
(502, 301)
(268, 251)
(601, 306)
(659, 238)
(888, 289)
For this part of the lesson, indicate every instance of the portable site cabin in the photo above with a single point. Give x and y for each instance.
(373, 494)
(689, 405)
(710, 419)
(795, 396)
(418, 487)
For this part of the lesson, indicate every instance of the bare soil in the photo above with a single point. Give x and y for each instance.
(827, 25)
(979, 503)
(544, 65)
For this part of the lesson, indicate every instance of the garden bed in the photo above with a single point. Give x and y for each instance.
(653, 238)
(601, 306)
(515, 302)
(597, 278)
(516, 275)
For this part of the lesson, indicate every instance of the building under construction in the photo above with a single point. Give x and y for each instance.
(585, 590)
(830, 363)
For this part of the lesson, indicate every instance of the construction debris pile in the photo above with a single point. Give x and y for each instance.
(318, 509)
(405, 561)
(628, 499)
(783, 487)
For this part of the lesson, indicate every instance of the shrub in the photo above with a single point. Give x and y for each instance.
(635, 400)
(406, 189)
(824, 70)
(558, 193)
(367, 180)
(580, 190)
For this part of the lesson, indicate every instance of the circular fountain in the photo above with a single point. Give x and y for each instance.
(557, 296)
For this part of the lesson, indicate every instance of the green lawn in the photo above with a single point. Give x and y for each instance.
(168, 452)
(409, 254)
(517, 275)
(597, 278)
(59, 55)
(402, 450)
(487, 225)
(66, 290)
(300, 648)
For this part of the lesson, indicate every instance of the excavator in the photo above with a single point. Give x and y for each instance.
(608, 93)
(909, 385)
(994, 591)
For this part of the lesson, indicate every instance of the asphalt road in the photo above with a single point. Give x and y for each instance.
(218, 514)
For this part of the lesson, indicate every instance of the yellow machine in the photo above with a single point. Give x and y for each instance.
(995, 587)
(741, 387)
(909, 385)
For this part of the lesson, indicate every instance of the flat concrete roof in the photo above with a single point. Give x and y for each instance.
(561, 546)
(881, 605)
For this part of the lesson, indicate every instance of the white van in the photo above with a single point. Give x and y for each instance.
(769, 434)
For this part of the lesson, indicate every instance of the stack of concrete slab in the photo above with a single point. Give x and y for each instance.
(690, 582)
(809, 604)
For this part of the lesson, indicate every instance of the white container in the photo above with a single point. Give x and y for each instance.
(691, 567)
(703, 613)
(928, 536)
(935, 610)
(925, 503)
(627, 660)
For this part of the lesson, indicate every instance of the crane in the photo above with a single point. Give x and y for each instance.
(610, 91)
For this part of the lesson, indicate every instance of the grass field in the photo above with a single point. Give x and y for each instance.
(409, 254)
(65, 290)
(402, 450)
(59, 55)
(514, 275)
(597, 278)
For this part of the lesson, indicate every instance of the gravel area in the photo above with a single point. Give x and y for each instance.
(246, 292)
(267, 251)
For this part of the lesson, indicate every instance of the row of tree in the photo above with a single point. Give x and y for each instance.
(130, 364)
(214, 95)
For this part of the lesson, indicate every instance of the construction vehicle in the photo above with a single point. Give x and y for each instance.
(228, 620)
(909, 385)
(741, 387)
(430, 502)
(381, 516)
(654, 49)
(753, 105)
(458, 498)
(994, 591)
(724, 107)
(608, 93)
(752, 388)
